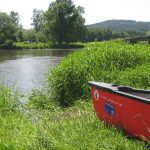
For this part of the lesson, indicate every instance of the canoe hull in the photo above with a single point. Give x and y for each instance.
(115, 109)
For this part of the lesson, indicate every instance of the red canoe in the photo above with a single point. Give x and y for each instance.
(123, 106)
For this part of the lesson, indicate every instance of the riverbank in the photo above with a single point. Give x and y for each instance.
(61, 116)
(35, 45)
(74, 128)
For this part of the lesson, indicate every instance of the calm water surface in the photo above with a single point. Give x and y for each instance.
(25, 70)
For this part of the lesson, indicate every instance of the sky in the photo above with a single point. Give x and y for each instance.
(95, 10)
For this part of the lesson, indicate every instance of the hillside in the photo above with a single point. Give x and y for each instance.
(122, 25)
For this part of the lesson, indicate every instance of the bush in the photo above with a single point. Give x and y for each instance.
(8, 44)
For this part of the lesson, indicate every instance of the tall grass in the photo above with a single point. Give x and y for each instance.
(15, 129)
(106, 62)
(138, 77)
(8, 101)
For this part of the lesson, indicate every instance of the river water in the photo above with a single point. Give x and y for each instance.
(25, 70)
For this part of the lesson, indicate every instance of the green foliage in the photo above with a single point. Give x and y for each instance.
(105, 62)
(7, 28)
(15, 18)
(40, 37)
(8, 44)
(148, 33)
(30, 45)
(123, 25)
(8, 101)
(38, 23)
(69, 129)
(112, 29)
(29, 35)
(10, 29)
(16, 132)
(40, 99)
(46, 126)
(101, 34)
(64, 21)
(39, 45)
(138, 77)
(38, 19)
(19, 35)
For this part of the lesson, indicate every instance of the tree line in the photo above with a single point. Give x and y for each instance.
(100, 34)
(62, 22)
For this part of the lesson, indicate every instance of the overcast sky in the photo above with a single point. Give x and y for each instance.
(95, 10)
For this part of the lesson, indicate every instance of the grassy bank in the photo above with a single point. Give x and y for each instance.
(112, 62)
(74, 128)
(45, 125)
(39, 45)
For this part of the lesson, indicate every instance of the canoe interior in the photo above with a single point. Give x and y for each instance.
(140, 93)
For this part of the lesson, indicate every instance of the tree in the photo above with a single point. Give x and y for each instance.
(19, 34)
(29, 35)
(148, 33)
(38, 19)
(15, 18)
(64, 21)
(38, 22)
(7, 28)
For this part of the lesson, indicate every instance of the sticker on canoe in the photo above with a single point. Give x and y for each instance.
(110, 109)
(96, 94)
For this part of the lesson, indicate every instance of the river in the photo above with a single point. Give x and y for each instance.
(25, 70)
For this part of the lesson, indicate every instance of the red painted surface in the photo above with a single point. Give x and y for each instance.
(132, 115)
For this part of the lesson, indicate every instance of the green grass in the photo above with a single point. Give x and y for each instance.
(111, 62)
(50, 45)
(73, 128)
(138, 77)
(16, 132)
(15, 129)
(78, 128)
(8, 101)
(43, 124)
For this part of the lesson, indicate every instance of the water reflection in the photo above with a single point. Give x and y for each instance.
(26, 69)
(15, 54)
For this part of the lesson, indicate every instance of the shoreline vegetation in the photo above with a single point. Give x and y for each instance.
(40, 45)
(61, 116)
